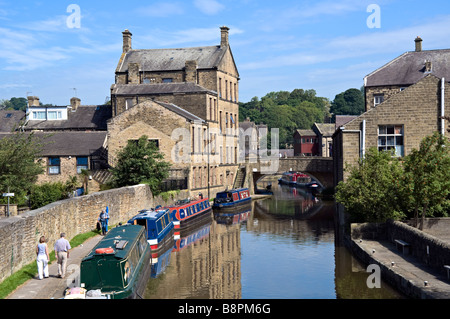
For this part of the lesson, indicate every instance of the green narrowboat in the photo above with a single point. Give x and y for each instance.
(119, 265)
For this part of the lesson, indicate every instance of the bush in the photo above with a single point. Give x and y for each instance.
(47, 193)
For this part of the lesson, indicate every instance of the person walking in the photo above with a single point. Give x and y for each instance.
(103, 219)
(42, 258)
(62, 247)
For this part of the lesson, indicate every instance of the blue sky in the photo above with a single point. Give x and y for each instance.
(323, 45)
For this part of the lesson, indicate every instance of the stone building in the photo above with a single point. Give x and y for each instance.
(415, 96)
(74, 138)
(162, 92)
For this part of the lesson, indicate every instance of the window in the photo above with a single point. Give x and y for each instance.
(128, 104)
(167, 80)
(82, 163)
(390, 137)
(378, 98)
(54, 165)
(39, 115)
(54, 115)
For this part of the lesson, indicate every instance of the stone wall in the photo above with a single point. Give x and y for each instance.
(20, 234)
(428, 249)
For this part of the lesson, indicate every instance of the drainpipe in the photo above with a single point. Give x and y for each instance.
(363, 139)
(442, 106)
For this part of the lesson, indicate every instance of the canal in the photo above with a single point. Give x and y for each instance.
(284, 247)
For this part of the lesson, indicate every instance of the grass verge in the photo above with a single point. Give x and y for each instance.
(29, 271)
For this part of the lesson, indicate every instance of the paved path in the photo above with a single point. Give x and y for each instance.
(414, 272)
(54, 287)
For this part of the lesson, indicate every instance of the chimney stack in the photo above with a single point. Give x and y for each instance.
(224, 37)
(126, 41)
(33, 101)
(190, 70)
(418, 42)
(75, 103)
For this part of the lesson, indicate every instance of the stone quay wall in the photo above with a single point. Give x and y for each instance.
(20, 234)
(429, 249)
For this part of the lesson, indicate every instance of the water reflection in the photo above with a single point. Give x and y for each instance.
(282, 247)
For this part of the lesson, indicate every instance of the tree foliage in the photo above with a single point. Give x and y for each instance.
(371, 193)
(19, 167)
(140, 162)
(380, 187)
(427, 177)
(287, 111)
(350, 102)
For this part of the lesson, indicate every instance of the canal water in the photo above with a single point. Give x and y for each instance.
(283, 247)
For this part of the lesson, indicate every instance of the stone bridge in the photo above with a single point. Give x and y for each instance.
(319, 168)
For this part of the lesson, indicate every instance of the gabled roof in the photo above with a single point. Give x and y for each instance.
(10, 120)
(409, 68)
(180, 111)
(325, 129)
(306, 132)
(93, 117)
(158, 88)
(67, 143)
(343, 119)
(152, 60)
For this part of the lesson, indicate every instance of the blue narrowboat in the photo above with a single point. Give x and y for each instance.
(158, 226)
(185, 212)
(231, 199)
(119, 265)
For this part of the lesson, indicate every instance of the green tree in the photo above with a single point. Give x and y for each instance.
(47, 193)
(427, 177)
(19, 168)
(350, 102)
(372, 191)
(140, 162)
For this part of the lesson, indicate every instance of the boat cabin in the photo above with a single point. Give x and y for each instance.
(115, 263)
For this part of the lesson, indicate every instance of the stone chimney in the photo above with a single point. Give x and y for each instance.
(33, 101)
(126, 41)
(75, 103)
(133, 73)
(418, 42)
(190, 71)
(224, 37)
(428, 66)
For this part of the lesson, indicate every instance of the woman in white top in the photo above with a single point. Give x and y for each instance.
(42, 258)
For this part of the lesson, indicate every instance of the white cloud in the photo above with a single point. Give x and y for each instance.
(209, 7)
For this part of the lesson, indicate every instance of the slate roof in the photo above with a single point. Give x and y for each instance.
(86, 117)
(343, 119)
(10, 120)
(172, 59)
(68, 143)
(180, 111)
(158, 88)
(325, 129)
(409, 68)
(306, 132)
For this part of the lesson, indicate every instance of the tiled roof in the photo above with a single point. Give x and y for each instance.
(326, 129)
(158, 88)
(306, 132)
(409, 68)
(92, 117)
(68, 143)
(10, 120)
(172, 59)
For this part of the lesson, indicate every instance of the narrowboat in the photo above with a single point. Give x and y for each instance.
(290, 178)
(119, 265)
(231, 199)
(158, 226)
(185, 213)
(231, 218)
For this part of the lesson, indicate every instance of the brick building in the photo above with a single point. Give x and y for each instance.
(158, 91)
(405, 100)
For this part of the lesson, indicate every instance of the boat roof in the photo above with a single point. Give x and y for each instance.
(150, 214)
(234, 190)
(120, 238)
